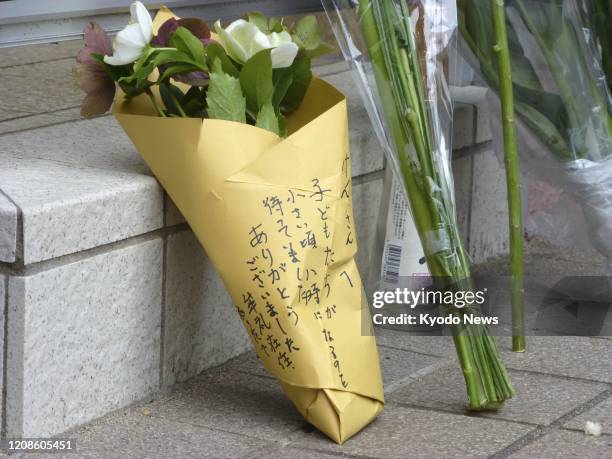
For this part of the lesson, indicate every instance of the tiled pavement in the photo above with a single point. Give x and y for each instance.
(237, 410)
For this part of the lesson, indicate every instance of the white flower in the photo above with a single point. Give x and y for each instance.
(130, 42)
(242, 39)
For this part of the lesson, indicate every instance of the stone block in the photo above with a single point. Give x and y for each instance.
(463, 126)
(489, 214)
(83, 339)
(201, 326)
(8, 230)
(367, 197)
(73, 208)
(463, 180)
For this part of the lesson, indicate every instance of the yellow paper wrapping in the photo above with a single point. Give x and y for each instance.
(275, 217)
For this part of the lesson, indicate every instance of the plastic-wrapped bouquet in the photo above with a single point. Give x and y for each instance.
(406, 48)
(254, 152)
(561, 75)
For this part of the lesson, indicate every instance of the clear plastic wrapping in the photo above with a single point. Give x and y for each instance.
(403, 72)
(561, 77)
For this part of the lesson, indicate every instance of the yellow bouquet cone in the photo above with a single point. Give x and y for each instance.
(275, 217)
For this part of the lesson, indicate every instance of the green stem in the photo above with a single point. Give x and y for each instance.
(177, 104)
(158, 108)
(513, 177)
(392, 50)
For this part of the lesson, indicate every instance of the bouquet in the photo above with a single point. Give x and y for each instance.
(406, 44)
(561, 75)
(254, 152)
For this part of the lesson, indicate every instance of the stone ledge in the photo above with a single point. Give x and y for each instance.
(8, 230)
(83, 339)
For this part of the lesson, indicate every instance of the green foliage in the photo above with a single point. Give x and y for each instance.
(307, 35)
(171, 96)
(264, 24)
(266, 118)
(186, 42)
(256, 80)
(301, 77)
(225, 99)
(215, 51)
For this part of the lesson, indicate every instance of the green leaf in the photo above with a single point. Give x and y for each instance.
(174, 69)
(225, 99)
(307, 33)
(216, 51)
(256, 80)
(282, 125)
(266, 118)
(186, 42)
(301, 80)
(166, 92)
(282, 78)
(257, 18)
(263, 23)
(194, 102)
(142, 72)
(276, 25)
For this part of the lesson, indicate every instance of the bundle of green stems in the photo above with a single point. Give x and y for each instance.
(413, 129)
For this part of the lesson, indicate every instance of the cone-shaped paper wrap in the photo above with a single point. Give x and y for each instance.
(275, 217)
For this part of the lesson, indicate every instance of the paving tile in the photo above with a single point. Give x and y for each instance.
(233, 402)
(40, 87)
(405, 432)
(97, 143)
(131, 434)
(398, 365)
(8, 229)
(83, 339)
(279, 452)
(202, 328)
(601, 412)
(28, 54)
(563, 443)
(22, 122)
(540, 399)
(578, 357)
(441, 346)
(247, 363)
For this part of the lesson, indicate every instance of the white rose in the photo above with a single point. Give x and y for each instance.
(131, 41)
(242, 39)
